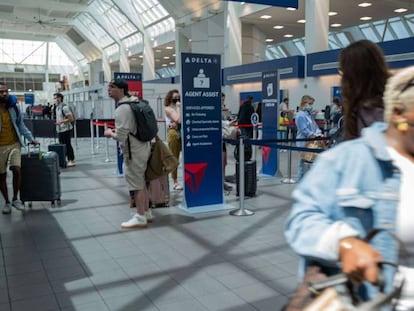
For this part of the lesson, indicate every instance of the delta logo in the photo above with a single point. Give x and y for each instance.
(194, 174)
(266, 154)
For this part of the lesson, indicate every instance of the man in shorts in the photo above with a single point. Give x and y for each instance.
(135, 152)
(11, 130)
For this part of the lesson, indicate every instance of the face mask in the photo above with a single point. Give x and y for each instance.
(175, 100)
(308, 108)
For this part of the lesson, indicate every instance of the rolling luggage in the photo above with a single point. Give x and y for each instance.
(159, 192)
(40, 177)
(250, 178)
(60, 149)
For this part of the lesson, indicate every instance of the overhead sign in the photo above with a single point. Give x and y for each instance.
(29, 98)
(282, 3)
(270, 91)
(134, 81)
(201, 130)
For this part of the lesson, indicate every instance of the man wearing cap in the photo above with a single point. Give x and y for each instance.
(135, 152)
(64, 127)
(11, 130)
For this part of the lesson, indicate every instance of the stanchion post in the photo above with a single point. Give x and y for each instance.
(106, 144)
(92, 137)
(241, 211)
(97, 133)
(289, 179)
(255, 135)
(75, 134)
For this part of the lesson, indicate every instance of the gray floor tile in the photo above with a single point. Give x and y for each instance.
(191, 304)
(42, 303)
(130, 302)
(225, 300)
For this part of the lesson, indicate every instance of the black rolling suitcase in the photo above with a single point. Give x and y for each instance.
(250, 178)
(60, 149)
(40, 177)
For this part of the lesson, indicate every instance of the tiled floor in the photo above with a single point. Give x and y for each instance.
(77, 257)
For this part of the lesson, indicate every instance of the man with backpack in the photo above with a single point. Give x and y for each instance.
(12, 128)
(64, 126)
(135, 152)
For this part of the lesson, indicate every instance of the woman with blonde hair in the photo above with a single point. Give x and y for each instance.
(360, 185)
(172, 111)
(306, 128)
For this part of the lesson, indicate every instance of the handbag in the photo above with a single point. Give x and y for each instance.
(309, 156)
(229, 131)
(161, 161)
(318, 292)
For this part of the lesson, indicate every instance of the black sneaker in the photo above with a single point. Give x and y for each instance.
(227, 187)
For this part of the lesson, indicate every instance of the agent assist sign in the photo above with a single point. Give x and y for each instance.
(282, 3)
(201, 129)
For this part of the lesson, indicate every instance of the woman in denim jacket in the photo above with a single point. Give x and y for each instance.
(359, 185)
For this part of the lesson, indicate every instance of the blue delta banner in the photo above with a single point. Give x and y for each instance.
(29, 98)
(270, 92)
(282, 3)
(201, 129)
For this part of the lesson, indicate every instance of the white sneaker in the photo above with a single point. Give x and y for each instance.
(6, 208)
(71, 163)
(137, 221)
(18, 205)
(149, 216)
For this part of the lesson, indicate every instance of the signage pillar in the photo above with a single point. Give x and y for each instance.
(270, 120)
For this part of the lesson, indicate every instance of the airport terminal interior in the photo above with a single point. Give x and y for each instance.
(73, 254)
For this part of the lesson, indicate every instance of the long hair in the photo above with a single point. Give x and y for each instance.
(364, 74)
(168, 97)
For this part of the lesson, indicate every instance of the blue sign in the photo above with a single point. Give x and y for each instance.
(201, 129)
(337, 92)
(129, 76)
(29, 98)
(270, 92)
(282, 3)
(254, 119)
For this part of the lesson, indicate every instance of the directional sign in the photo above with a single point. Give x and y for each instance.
(282, 3)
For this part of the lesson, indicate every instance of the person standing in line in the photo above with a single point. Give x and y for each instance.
(12, 128)
(306, 128)
(172, 103)
(244, 117)
(64, 127)
(135, 152)
(364, 73)
(224, 116)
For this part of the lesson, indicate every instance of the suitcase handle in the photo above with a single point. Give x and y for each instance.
(35, 146)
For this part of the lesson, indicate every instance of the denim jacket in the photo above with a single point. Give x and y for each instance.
(353, 188)
(18, 125)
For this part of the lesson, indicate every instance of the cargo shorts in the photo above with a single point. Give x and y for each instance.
(10, 155)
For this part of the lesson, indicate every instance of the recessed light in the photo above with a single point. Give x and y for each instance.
(278, 27)
(269, 40)
(302, 21)
(174, 55)
(158, 51)
(157, 60)
(141, 56)
(265, 17)
(332, 13)
(169, 48)
(364, 4)
(166, 57)
(164, 65)
(190, 40)
(366, 18)
(172, 63)
(288, 36)
(133, 58)
(336, 25)
(401, 10)
(291, 9)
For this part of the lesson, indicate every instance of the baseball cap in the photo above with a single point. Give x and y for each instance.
(120, 83)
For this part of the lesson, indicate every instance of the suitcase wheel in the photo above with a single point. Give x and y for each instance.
(30, 204)
(59, 203)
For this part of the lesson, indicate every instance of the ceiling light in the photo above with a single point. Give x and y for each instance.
(172, 63)
(302, 21)
(265, 17)
(366, 18)
(278, 27)
(288, 36)
(332, 13)
(291, 9)
(269, 40)
(242, 3)
(174, 55)
(169, 48)
(158, 51)
(401, 10)
(190, 40)
(133, 58)
(141, 56)
(364, 4)
(157, 60)
(166, 57)
(164, 65)
(336, 25)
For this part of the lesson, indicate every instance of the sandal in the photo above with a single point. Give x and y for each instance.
(177, 186)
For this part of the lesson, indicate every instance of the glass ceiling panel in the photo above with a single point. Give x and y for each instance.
(162, 27)
(99, 33)
(150, 11)
(107, 10)
(133, 40)
(22, 52)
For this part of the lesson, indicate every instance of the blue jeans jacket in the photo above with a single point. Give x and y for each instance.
(354, 183)
(19, 126)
